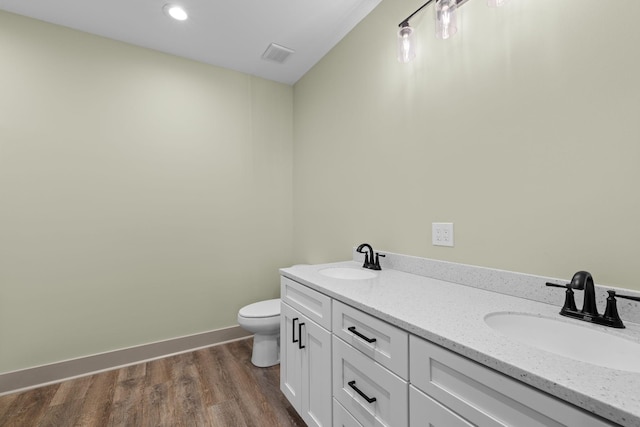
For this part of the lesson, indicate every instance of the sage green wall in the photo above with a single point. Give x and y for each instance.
(135, 186)
(522, 130)
(142, 196)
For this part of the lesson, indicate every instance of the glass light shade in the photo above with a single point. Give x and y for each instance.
(495, 3)
(446, 20)
(176, 12)
(406, 44)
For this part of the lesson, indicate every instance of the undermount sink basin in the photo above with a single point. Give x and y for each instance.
(584, 343)
(347, 273)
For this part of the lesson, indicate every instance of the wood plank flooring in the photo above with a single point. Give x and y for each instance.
(217, 386)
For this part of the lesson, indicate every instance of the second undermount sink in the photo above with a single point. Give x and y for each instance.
(347, 273)
(585, 343)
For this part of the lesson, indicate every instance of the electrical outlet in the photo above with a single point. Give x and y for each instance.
(442, 233)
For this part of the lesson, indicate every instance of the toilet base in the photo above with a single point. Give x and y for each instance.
(266, 350)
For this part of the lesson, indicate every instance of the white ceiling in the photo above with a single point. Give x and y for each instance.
(228, 33)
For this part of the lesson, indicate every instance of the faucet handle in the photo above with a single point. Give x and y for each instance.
(555, 285)
(569, 300)
(366, 260)
(613, 293)
(611, 312)
(376, 264)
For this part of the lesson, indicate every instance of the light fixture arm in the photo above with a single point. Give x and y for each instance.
(405, 22)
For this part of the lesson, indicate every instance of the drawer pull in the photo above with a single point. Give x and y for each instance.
(367, 339)
(352, 384)
(300, 346)
(293, 330)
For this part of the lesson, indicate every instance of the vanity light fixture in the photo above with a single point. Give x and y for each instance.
(446, 25)
(176, 12)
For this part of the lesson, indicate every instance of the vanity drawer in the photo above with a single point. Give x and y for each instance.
(426, 412)
(352, 370)
(310, 303)
(342, 417)
(486, 397)
(391, 345)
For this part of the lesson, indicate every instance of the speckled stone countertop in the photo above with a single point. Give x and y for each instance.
(452, 315)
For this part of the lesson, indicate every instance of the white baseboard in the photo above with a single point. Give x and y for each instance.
(24, 379)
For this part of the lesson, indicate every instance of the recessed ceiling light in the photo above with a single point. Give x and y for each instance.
(176, 12)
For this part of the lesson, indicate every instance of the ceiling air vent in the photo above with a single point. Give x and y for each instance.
(277, 53)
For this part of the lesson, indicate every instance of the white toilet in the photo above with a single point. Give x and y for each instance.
(263, 319)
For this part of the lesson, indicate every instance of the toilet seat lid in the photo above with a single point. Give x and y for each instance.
(268, 308)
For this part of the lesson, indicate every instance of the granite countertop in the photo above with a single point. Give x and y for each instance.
(452, 316)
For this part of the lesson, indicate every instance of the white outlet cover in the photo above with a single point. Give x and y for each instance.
(442, 233)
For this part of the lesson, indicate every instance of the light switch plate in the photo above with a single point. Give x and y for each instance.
(442, 233)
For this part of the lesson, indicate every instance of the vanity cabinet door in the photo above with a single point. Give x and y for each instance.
(426, 412)
(316, 374)
(290, 356)
(305, 366)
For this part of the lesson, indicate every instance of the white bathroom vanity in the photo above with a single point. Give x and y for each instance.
(409, 345)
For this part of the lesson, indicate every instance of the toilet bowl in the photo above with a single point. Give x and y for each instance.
(263, 319)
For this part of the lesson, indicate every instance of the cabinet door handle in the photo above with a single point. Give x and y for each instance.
(300, 346)
(367, 339)
(293, 330)
(352, 384)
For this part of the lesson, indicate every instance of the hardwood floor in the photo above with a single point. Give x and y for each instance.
(217, 386)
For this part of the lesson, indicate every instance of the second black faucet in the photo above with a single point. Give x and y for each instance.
(583, 281)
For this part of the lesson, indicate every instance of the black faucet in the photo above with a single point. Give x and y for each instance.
(583, 281)
(371, 260)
